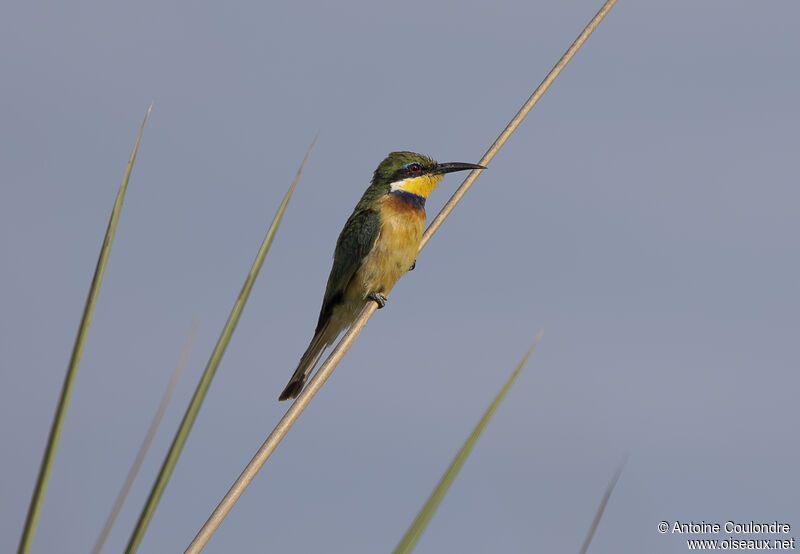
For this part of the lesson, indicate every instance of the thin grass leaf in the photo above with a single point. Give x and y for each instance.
(148, 440)
(601, 508)
(35, 508)
(409, 540)
(326, 369)
(208, 374)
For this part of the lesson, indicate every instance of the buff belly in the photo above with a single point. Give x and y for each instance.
(392, 255)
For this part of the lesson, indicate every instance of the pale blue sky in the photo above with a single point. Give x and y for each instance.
(644, 215)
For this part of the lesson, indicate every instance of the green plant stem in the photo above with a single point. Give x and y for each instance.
(338, 352)
(208, 374)
(35, 508)
(424, 516)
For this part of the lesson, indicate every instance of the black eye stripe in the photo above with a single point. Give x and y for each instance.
(406, 172)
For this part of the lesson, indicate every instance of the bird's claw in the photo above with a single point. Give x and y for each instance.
(380, 299)
(413, 266)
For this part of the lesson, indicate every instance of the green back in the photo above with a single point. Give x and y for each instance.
(361, 230)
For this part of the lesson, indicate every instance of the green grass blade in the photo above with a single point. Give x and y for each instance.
(208, 374)
(40, 490)
(409, 540)
(601, 508)
(148, 440)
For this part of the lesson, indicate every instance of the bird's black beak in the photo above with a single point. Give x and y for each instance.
(450, 167)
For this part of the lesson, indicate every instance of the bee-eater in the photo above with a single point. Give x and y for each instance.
(378, 244)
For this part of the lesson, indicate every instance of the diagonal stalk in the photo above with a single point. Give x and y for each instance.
(601, 508)
(45, 469)
(148, 440)
(346, 341)
(208, 374)
(417, 527)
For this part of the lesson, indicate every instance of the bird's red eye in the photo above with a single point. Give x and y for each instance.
(414, 168)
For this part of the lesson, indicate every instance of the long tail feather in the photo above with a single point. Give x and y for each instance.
(307, 363)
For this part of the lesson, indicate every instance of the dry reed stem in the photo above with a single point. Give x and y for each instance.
(148, 439)
(189, 417)
(344, 344)
(601, 508)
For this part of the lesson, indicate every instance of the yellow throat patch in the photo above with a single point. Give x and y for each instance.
(422, 185)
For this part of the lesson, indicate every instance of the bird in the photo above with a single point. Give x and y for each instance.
(378, 244)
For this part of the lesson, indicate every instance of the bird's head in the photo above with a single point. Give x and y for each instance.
(414, 173)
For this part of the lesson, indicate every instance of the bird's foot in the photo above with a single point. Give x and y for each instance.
(379, 298)
(413, 266)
